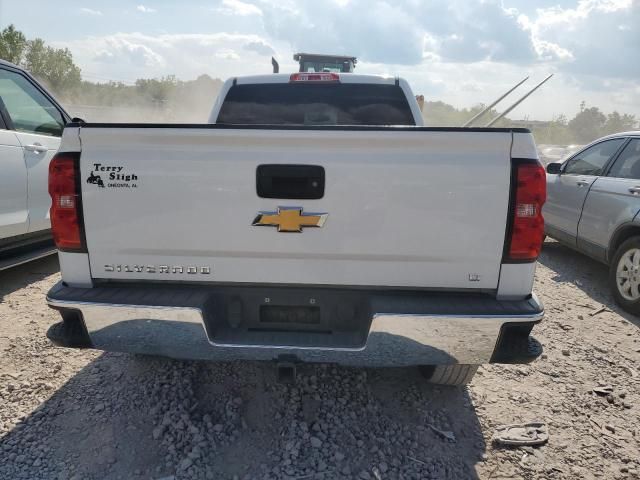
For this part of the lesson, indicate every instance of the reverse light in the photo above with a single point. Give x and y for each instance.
(526, 210)
(314, 77)
(66, 205)
(67, 201)
(527, 225)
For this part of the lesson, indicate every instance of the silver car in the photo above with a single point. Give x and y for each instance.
(593, 200)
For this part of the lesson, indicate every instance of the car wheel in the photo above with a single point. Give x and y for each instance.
(624, 275)
(453, 375)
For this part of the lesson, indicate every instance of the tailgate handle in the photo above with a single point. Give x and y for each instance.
(296, 182)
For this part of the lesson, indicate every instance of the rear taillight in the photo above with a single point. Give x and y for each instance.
(529, 192)
(66, 206)
(310, 77)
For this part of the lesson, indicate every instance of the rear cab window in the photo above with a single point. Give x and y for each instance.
(315, 104)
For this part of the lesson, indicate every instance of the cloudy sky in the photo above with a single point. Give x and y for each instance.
(459, 51)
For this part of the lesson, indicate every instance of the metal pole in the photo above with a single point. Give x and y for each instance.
(518, 102)
(485, 110)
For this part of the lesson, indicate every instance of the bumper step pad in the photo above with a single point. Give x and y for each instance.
(514, 348)
(70, 334)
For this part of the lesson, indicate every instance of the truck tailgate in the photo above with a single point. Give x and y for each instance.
(404, 207)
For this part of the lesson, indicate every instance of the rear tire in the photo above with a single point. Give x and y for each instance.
(452, 375)
(624, 275)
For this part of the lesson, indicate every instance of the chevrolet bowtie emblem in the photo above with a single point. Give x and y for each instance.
(290, 219)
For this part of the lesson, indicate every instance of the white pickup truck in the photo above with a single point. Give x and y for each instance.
(313, 220)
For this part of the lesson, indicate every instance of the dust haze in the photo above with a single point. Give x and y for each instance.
(150, 101)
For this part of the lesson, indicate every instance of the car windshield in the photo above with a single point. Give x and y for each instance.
(316, 104)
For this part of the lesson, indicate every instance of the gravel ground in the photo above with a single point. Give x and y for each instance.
(71, 414)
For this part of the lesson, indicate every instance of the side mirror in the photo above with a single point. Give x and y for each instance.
(554, 168)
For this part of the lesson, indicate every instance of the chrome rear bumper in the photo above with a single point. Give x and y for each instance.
(403, 328)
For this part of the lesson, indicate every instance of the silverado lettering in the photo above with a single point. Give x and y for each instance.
(191, 270)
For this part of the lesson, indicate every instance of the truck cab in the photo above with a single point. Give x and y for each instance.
(326, 98)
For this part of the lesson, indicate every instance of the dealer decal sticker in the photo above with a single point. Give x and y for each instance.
(106, 176)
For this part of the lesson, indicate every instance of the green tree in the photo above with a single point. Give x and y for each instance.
(35, 58)
(439, 113)
(556, 132)
(53, 66)
(619, 123)
(157, 90)
(588, 124)
(13, 44)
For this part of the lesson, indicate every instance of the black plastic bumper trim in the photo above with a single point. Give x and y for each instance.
(515, 345)
(71, 332)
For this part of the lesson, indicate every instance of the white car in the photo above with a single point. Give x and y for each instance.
(31, 124)
(315, 220)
